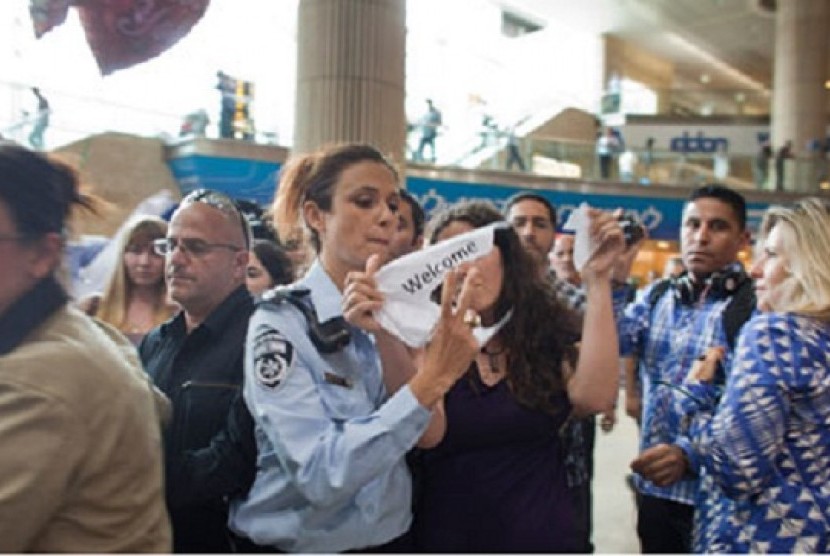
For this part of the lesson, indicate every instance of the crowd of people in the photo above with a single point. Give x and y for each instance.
(237, 387)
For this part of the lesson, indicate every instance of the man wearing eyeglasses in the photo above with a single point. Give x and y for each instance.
(196, 358)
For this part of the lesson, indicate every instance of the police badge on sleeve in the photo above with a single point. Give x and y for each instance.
(273, 355)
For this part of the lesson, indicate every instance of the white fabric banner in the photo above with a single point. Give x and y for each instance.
(410, 285)
(579, 223)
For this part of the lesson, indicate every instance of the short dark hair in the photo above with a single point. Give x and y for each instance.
(530, 196)
(725, 195)
(258, 221)
(418, 216)
(274, 260)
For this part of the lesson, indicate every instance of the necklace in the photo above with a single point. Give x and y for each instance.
(493, 358)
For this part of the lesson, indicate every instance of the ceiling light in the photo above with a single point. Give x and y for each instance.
(827, 84)
(704, 78)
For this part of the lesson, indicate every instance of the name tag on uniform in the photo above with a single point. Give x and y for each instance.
(337, 380)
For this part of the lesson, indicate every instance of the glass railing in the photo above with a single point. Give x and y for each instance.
(578, 159)
(73, 117)
(485, 149)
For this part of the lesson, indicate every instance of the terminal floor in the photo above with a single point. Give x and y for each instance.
(615, 516)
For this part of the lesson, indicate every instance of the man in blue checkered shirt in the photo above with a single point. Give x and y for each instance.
(667, 335)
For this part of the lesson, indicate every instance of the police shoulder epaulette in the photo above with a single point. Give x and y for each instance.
(280, 294)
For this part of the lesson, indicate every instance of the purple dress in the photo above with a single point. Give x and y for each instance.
(496, 483)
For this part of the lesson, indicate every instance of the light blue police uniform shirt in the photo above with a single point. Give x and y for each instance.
(331, 474)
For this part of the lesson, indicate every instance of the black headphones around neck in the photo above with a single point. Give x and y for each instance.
(719, 284)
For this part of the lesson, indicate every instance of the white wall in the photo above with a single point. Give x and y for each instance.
(456, 54)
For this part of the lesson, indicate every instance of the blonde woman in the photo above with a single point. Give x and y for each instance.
(135, 298)
(764, 447)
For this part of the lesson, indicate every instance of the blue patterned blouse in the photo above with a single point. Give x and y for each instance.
(764, 451)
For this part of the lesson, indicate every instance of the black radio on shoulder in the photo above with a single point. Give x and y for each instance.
(328, 337)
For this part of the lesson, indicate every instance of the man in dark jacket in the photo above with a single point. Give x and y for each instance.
(196, 358)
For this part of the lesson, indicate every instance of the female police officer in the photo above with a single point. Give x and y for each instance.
(336, 409)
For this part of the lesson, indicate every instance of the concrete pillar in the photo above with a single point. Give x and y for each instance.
(350, 74)
(799, 109)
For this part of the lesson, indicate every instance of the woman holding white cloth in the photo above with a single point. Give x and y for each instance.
(496, 480)
(336, 404)
(336, 407)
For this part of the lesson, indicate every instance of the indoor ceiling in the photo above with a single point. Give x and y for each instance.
(713, 44)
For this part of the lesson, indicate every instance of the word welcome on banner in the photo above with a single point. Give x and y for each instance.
(411, 285)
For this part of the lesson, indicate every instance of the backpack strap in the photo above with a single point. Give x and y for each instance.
(738, 311)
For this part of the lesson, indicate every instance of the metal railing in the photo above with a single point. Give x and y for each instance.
(70, 116)
(578, 159)
(485, 148)
(74, 116)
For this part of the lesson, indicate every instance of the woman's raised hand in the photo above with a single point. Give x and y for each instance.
(452, 347)
(361, 297)
(606, 243)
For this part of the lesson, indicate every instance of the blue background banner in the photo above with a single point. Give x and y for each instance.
(255, 180)
(251, 180)
(662, 216)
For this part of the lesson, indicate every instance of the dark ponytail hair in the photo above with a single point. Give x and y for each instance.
(312, 177)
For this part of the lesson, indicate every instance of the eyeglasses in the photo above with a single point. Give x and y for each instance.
(191, 246)
(223, 204)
